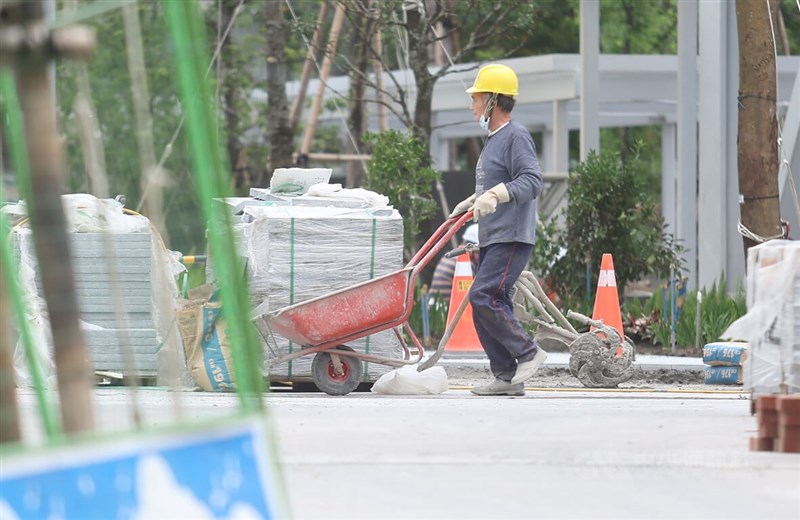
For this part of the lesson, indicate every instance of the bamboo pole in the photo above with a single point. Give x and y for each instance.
(12, 116)
(308, 66)
(330, 51)
(45, 155)
(152, 180)
(9, 416)
(324, 156)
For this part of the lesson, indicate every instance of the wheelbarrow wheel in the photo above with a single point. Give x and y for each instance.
(326, 377)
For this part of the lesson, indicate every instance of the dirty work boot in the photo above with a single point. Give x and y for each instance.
(527, 367)
(500, 387)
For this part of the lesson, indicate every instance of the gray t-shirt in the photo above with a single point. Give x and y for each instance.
(509, 157)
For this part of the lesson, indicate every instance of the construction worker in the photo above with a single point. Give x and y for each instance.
(507, 182)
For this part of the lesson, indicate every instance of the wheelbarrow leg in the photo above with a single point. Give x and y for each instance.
(428, 363)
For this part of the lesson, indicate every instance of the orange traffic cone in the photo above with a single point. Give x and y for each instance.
(606, 303)
(464, 337)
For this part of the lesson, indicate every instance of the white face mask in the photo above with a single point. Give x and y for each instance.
(484, 122)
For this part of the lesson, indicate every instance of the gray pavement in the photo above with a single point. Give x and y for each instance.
(551, 454)
(558, 360)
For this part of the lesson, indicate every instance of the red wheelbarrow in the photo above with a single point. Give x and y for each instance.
(324, 325)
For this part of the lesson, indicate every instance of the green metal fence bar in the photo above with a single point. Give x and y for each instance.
(208, 160)
(9, 107)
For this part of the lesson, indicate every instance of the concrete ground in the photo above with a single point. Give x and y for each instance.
(551, 454)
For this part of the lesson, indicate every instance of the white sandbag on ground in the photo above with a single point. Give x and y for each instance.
(408, 381)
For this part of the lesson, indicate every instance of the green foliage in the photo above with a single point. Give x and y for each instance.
(650, 320)
(399, 168)
(639, 27)
(437, 316)
(608, 212)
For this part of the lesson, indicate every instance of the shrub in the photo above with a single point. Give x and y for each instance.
(400, 169)
(651, 320)
(608, 212)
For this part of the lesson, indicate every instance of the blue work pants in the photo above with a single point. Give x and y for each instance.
(501, 335)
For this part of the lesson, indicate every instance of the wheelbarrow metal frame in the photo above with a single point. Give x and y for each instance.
(286, 320)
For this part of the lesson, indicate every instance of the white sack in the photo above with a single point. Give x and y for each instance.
(370, 198)
(407, 381)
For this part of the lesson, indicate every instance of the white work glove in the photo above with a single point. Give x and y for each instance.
(486, 204)
(463, 206)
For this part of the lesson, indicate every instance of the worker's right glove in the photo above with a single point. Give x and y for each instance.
(463, 206)
(486, 204)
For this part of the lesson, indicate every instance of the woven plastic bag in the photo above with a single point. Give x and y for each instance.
(407, 381)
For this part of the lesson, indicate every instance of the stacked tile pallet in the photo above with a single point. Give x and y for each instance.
(295, 253)
(104, 335)
(778, 424)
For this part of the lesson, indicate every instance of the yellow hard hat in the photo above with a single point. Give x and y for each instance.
(495, 78)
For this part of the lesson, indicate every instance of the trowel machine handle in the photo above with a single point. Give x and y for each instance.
(469, 248)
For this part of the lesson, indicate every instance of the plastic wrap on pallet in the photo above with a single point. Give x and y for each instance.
(294, 254)
(772, 323)
(141, 264)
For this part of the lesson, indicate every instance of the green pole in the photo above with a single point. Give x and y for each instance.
(209, 163)
(19, 159)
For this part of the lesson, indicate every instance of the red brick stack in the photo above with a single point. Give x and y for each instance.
(778, 424)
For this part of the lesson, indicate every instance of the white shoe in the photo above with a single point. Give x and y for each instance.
(528, 368)
(500, 387)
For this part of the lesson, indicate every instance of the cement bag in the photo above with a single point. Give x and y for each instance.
(722, 375)
(205, 341)
(407, 381)
(730, 354)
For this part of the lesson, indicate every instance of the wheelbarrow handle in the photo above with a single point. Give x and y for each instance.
(438, 240)
(469, 248)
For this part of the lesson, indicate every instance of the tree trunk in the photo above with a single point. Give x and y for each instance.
(226, 79)
(361, 40)
(278, 130)
(757, 139)
(417, 28)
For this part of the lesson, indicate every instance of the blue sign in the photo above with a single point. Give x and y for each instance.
(222, 473)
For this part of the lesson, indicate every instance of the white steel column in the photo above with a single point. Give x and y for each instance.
(560, 148)
(686, 190)
(544, 151)
(734, 257)
(590, 76)
(712, 211)
(668, 170)
(720, 250)
(440, 151)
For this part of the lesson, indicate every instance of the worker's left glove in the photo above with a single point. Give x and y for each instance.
(486, 204)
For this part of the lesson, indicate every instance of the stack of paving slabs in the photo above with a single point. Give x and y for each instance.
(724, 363)
(296, 253)
(771, 326)
(778, 424)
(108, 244)
(104, 332)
